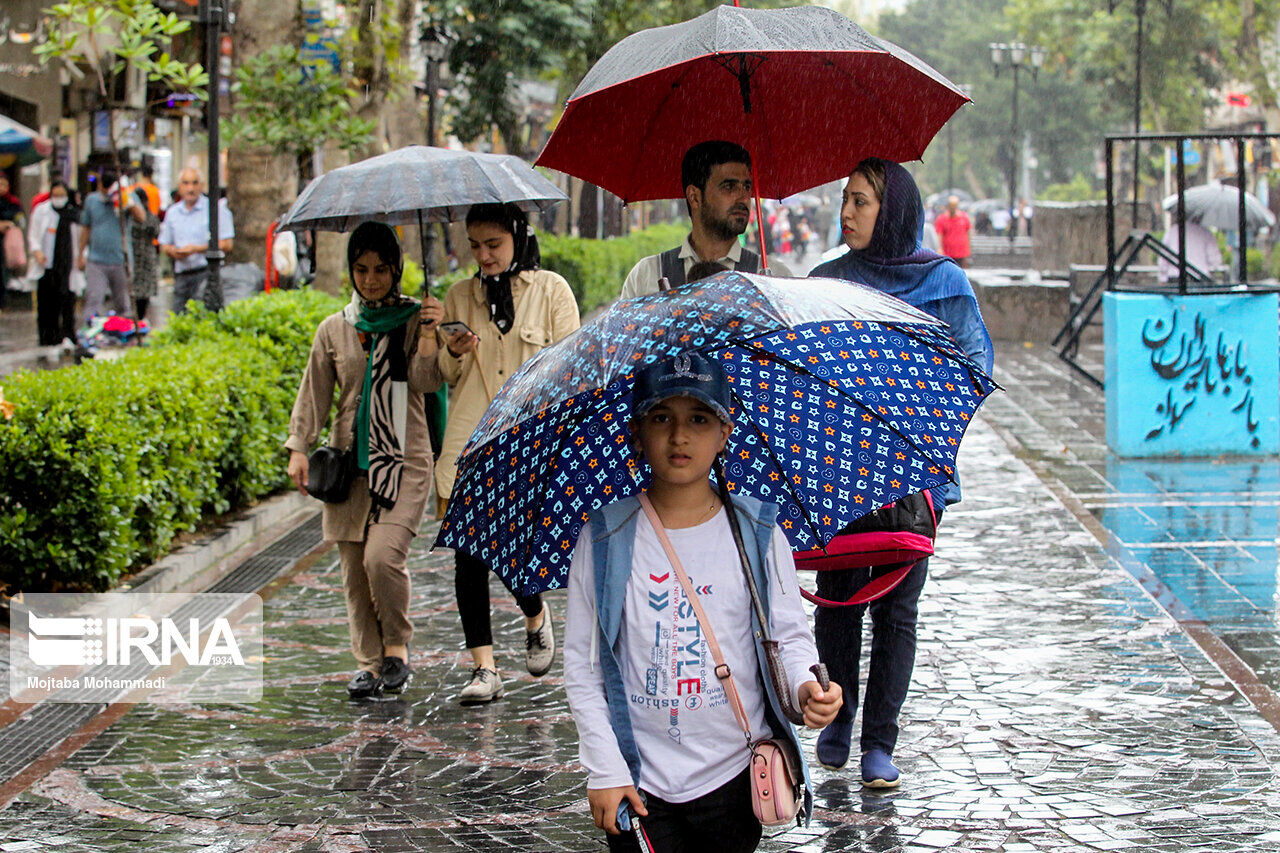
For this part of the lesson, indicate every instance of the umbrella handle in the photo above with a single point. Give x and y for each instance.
(755, 184)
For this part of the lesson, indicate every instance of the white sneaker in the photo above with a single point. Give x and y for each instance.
(540, 645)
(484, 686)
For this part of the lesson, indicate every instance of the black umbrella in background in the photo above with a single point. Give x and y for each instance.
(418, 185)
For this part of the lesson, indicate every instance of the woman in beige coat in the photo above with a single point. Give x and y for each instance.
(511, 310)
(381, 352)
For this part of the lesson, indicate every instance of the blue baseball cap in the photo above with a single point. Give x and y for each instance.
(688, 374)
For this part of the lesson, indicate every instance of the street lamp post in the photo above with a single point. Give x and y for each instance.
(1014, 55)
(213, 16)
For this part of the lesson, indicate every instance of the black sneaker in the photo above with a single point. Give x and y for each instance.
(363, 685)
(395, 674)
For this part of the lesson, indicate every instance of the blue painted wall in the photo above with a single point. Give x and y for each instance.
(1192, 375)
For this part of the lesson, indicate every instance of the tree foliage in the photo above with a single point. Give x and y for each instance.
(111, 36)
(1087, 86)
(294, 106)
(498, 43)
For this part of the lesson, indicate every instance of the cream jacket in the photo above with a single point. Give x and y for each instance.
(338, 359)
(545, 312)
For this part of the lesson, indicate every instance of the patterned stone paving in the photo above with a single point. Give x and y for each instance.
(1055, 708)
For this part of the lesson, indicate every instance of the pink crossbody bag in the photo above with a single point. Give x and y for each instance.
(776, 775)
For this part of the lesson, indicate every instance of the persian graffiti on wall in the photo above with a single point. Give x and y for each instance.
(1192, 375)
(1197, 373)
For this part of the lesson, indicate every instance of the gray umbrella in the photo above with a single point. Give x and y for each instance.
(417, 184)
(1218, 206)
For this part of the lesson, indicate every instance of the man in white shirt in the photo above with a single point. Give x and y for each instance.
(184, 237)
(716, 176)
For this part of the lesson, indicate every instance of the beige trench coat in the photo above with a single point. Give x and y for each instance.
(337, 357)
(545, 312)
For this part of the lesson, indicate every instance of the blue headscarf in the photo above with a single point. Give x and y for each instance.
(895, 261)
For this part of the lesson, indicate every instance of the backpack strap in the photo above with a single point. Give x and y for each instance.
(877, 588)
(748, 261)
(672, 266)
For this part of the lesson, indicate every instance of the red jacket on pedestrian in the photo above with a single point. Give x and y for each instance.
(953, 230)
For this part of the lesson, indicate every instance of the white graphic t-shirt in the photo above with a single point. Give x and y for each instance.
(689, 740)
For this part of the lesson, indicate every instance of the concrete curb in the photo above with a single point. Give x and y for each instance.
(201, 563)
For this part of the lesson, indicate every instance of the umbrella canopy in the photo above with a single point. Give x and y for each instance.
(939, 199)
(844, 399)
(20, 145)
(808, 92)
(986, 205)
(1218, 206)
(418, 184)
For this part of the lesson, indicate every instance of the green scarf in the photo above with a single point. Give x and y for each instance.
(377, 322)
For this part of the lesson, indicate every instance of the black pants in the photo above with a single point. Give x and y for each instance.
(55, 310)
(721, 821)
(838, 634)
(471, 585)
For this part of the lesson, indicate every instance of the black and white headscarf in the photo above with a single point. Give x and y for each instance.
(382, 417)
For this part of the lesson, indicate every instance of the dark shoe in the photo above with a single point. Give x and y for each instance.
(832, 750)
(878, 770)
(395, 674)
(540, 646)
(363, 685)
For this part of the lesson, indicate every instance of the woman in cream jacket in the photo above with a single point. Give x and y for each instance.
(512, 309)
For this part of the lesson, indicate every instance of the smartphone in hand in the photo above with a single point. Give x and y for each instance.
(456, 327)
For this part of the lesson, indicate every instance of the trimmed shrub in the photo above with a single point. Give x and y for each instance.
(106, 462)
(596, 269)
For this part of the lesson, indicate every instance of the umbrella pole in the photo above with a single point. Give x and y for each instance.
(760, 223)
(425, 241)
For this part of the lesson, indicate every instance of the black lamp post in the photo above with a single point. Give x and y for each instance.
(435, 48)
(1014, 55)
(213, 16)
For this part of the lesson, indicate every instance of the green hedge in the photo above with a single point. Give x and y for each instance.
(596, 269)
(106, 462)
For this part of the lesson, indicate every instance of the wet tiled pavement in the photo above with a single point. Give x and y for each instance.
(1056, 706)
(1205, 529)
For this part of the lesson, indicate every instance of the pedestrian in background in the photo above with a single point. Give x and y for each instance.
(53, 241)
(102, 250)
(184, 236)
(952, 227)
(380, 352)
(143, 233)
(882, 221)
(511, 309)
(11, 217)
(1202, 250)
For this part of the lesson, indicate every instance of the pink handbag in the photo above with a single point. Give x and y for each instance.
(15, 250)
(776, 774)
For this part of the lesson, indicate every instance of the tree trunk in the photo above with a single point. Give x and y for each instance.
(260, 185)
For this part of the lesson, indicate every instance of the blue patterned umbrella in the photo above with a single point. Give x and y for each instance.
(845, 399)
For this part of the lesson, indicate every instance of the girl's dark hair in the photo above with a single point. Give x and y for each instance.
(58, 182)
(379, 238)
(515, 222)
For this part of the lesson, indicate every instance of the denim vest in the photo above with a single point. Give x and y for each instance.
(613, 534)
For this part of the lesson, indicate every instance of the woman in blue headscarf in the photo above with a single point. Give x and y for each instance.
(882, 221)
